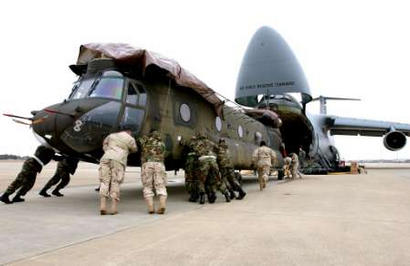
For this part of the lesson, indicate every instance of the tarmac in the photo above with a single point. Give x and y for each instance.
(318, 220)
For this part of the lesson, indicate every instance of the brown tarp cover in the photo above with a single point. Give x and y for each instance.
(265, 115)
(142, 58)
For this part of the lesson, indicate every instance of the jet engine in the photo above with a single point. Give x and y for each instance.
(394, 140)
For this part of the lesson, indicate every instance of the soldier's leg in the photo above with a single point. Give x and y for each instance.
(116, 180)
(28, 184)
(236, 185)
(65, 179)
(160, 182)
(219, 182)
(104, 177)
(16, 184)
(260, 177)
(54, 180)
(147, 182)
(266, 170)
(203, 174)
(227, 178)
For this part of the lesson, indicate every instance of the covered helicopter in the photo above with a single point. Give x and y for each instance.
(122, 87)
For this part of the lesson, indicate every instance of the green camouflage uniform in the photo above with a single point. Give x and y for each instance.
(26, 178)
(208, 168)
(153, 175)
(227, 170)
(65, 167)
(191, 171)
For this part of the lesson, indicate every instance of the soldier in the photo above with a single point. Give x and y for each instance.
(191, 169)
(26, 178)
(65, 167)
(263, 157)
(286, 167)
(227, 170)
(153, 175)
(208, 170)
(294, 166)
(116, 148)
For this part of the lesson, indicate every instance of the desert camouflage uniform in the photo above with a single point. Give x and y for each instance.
(153, 175)
(208, 168)
(286, 167)
(112, 165)
(263, 158)
(227, 170)
(294, 166)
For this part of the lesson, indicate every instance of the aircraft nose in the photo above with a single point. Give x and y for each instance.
(50, 122)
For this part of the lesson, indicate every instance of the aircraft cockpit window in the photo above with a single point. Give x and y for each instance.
(143, 95)
(81, 89)
(112, 73)
(108, 87)
(132, 96)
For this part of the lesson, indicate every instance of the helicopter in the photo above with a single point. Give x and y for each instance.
(121, 87)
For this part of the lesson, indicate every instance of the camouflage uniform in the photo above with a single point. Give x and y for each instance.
(208, 170)
(263, 158)
(153, 175)
(26, 178)
(65, 167)
(112, 164)
(294, 166)
(191, 172)
(286, 167)
(227, 170)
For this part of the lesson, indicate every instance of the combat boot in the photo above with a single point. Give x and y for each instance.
(211, 197)
(150, 204)
(193, 197)
(103, 205)
(202, 198)
(57, 193)
(232, 194)
(162, 204)
(44, 193)
(114, 207)
(5, 198)
(18, 198)
(227, 197)
(242, 194)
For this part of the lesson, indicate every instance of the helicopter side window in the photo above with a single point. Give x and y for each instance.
(143, 95)
(132, 97)
(81, 89)
(108, 87)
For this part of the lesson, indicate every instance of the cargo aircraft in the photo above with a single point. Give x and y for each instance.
(120, 87)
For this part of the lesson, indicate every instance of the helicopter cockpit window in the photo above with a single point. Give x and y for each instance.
(108, 87)
(132, 96)
(143, 95)
(81, 88)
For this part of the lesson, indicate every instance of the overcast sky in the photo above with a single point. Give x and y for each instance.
(346, 48)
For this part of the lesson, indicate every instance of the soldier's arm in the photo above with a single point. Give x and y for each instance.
(133, 145)
(105, 143)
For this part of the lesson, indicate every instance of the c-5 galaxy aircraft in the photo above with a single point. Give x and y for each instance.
(123, 87)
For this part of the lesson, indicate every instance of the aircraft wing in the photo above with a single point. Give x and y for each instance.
(364, 127)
